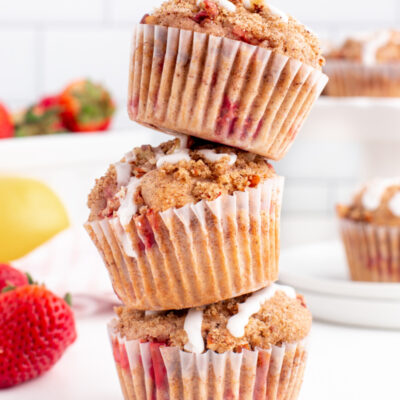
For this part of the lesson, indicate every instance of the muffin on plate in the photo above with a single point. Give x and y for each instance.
(365, 65)
(187, 223)
(237, 72)
(370, 228)
(251, 347)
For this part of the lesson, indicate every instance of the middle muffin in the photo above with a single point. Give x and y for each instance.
(187, 223)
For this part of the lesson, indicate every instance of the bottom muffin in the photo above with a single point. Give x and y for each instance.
(250, 347)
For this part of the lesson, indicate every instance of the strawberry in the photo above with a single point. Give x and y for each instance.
(10, 276)
(42, 118)
(87, 107)
(6, 124)
(36, 329)
(210, 11)
(157, 368)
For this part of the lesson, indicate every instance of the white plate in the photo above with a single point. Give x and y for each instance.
(319, 271)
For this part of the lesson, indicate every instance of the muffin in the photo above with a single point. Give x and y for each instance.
(370, 228)
(365, 65)
(251, 347)
(187, 223)
(238, 72)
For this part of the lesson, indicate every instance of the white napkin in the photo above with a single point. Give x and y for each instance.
(70, 263)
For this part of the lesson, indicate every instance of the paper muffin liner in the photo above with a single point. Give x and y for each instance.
(155, 371)
(219, 89)
(353, 79)
(199, 254)
(373, 251)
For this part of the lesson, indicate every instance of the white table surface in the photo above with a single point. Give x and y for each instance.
(345, 363)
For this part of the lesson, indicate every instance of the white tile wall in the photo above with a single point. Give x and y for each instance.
(99, 53)
(51, 11)
(46, 43)
(18, 64)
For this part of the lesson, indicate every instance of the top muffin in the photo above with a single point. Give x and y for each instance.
(251, 21)
(376, 202)
(369, 49)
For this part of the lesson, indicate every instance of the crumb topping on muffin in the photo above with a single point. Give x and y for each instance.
(377, 202)
(173, 174)
(369, 49)
(282, 318)
(252, 21)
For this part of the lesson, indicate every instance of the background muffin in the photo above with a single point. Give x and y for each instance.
(252, 346)
(365, 65)
(370, 228)
(187, 224)
(236, 72)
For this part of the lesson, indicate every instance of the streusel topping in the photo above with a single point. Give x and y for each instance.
(280, 319)
(252, 21)
(173, 174)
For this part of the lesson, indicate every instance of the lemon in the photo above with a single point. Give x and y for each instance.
(30, 214)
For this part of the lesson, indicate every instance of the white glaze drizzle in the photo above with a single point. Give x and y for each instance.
(129, 157)
(192, 327)
(181, 155)
(151, 313)
(128, 207)
(212, 156)
(394, 205)
(238, 322)
(223, 3)
(123, 171)
(279, 13)
(252, 4)
(371, 46)
(183, 140)
(374, 191)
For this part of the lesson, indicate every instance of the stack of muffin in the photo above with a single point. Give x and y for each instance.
(189, 230)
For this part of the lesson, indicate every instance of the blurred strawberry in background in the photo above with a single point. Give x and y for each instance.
(43, 118)
(6, 124)
(86, 107)
(83, 106)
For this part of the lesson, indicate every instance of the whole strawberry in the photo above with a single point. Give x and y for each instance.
(86, 107)
(36, 327)
(6, 124)
(10, 276)
(42, 118)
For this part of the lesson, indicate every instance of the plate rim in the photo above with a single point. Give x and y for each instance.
(352, 289)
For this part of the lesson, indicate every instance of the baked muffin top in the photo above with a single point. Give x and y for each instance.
(251, 21)
(369, 49)
(178, 172)
(377, 202)
(271, 316)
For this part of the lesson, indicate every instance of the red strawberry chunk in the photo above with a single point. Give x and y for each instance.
(157, 369)
(227, 117)
(210, 12)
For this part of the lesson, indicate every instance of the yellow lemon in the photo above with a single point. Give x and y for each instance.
(30, 214)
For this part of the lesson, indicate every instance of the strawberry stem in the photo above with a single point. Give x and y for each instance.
(68, 299)
(30, 279)
(8, 288)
